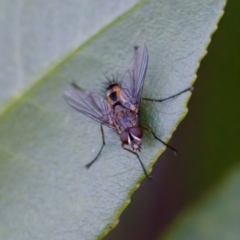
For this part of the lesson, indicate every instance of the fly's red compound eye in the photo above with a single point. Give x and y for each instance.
(124, 137)
(136, 131)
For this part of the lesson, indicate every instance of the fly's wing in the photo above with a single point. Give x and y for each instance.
(89, 104)
(133, 79)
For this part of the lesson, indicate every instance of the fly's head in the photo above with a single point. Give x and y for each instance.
(132, 137)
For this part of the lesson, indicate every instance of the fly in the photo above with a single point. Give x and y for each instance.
(120, 111)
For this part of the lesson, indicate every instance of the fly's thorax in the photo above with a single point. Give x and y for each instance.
(124, 118)
(113, 93)
(132, 137)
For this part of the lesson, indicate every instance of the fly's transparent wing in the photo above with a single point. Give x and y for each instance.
(89, 104)
(133, 79)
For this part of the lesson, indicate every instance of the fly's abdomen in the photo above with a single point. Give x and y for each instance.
(113, 93)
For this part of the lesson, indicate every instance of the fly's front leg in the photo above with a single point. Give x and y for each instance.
(103, 143)
(155, 136)
(164, 99)
(144, 170)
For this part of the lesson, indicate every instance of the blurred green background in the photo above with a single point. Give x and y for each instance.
(208, 148)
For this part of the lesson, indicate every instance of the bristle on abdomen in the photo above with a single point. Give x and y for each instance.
(111, 85)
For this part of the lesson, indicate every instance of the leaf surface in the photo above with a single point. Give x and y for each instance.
(46, 193)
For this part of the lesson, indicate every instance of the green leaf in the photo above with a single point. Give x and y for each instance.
(217, 217)
(46, 192)
(38, 36)
(209, 185)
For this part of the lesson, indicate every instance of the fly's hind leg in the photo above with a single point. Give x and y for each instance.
(173, 96)
(103, 143)
(74, 85)
(144, 170)
(155, 136)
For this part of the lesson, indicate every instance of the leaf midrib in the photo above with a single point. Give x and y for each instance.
(54, 66)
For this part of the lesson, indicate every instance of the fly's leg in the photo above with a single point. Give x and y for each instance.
(155, 136)
(103, 139)
(164, 99)
(144, 170)
(75, 86)
(103, 143)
